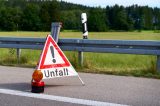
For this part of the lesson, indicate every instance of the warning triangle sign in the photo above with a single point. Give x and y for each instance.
(53, 63)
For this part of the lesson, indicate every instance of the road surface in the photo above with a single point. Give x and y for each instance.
(106, 90)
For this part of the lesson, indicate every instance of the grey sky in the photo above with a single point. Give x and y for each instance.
(103, 3)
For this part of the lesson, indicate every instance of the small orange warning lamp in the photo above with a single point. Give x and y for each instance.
(37, 75)
(37, 84)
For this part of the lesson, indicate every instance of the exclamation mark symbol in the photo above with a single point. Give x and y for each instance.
(52, 52)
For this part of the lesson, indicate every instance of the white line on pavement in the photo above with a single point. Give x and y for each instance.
(58, 98)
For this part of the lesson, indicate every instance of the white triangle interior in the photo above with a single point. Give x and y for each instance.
(49, 58)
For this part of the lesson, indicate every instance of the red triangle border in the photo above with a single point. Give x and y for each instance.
(43, 56)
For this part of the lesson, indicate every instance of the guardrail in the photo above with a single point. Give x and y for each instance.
(81, 45)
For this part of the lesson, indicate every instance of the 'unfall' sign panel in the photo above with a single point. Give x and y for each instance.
(53, 63)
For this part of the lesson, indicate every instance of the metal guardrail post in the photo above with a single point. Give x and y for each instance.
(158, 63)
(55, 29)
(80, 58)
(18, 54)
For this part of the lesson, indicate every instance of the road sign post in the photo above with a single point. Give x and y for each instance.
(84, 25)
(55, 30)
(85, 36)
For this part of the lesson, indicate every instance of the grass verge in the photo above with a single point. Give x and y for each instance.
(105, 63)
(102, 63)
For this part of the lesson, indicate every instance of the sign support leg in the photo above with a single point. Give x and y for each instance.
(81, 80)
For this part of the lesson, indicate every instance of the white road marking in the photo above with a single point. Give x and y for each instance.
(58, 98)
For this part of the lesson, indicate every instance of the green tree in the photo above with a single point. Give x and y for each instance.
(71, 19)
(147, 15)
(156, 18)
(31, 20)
(96, 20)
(107, 17)
(118, 18)
(49, 13)
(130, 19)
(9, 18)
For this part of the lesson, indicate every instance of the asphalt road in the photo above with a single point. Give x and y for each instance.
(102, 88)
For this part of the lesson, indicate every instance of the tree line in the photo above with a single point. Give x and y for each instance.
(37, 15)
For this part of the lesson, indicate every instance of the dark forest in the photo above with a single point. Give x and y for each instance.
(37, 15)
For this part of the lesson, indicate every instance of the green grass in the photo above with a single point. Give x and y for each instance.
(145, 35)
(107, 63)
